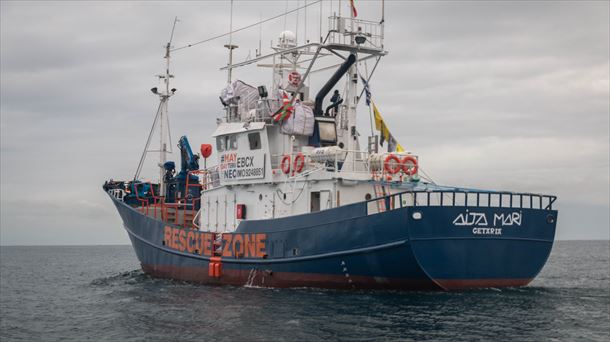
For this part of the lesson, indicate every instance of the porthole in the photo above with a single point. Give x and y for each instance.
(367, 197)
(260, 197)
(550, 219)
(417, 215)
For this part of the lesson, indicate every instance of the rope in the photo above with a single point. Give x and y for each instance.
(427, 176)
(245, 27)
(152, 129)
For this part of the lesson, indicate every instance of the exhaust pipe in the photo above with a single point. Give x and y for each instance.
(317, 111)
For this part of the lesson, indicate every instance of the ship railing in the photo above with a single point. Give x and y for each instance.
(348, 161)
(265, 108)
(185, 211)
(209, 178)
(146, 207)
(181, 212)
(259, 111)
(308, 168)
(262, 111)
(342, 30)
(119, 194)
(461, 198)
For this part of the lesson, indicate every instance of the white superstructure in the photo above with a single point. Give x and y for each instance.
(268, 169)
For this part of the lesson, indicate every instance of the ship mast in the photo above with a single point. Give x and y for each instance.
(352, 91)
(164, 119)
(162, 143)
(231, 47)
(161, 118)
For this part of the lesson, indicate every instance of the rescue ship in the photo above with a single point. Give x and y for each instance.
(291, 199)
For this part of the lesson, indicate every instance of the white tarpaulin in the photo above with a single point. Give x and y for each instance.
(300, 122)
(247, 95)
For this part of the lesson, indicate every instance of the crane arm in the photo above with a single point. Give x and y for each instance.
(189, 161)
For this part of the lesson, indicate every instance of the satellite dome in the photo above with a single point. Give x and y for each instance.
(287, 39)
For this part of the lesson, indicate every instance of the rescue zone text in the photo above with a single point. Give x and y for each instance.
(233, 245)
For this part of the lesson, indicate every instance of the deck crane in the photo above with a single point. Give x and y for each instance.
(176, 185)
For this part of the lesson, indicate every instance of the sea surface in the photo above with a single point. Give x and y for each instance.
(99, 293)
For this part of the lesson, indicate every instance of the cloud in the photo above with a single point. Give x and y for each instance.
(495, 95)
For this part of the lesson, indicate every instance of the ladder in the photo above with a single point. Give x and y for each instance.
(217, 245)
(380, 194)
(171, 215)
(187, 218)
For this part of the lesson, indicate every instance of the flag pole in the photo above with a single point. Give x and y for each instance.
(366, 70)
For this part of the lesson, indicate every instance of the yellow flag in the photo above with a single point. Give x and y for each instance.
(378, 119)
(383, 129)
(380, 125)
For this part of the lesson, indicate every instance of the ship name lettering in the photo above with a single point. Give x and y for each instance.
(509, 219)
(474, 219)
(487, 231)
(470, 219)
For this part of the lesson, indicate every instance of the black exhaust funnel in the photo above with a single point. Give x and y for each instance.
(317, 111)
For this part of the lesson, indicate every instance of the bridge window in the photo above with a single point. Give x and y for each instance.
(255, 141)
(232, 142)
(221, 143)
(226, 143)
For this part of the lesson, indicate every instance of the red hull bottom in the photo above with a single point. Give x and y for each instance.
(263, 278)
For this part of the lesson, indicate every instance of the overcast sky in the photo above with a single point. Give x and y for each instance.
(500, 95)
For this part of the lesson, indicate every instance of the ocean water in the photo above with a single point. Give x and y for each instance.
(99, 293)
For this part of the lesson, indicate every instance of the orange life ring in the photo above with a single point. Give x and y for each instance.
(299, 162)
(409, 170)
(387, 164)
(285, 164)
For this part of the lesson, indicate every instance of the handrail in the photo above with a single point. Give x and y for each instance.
(478, 198)
(119, 194)
(144, 201)
(345, 155)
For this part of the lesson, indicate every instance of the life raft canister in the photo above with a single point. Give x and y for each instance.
(409, 165)
(391, 164)
(285, 165)
(294, 78)
(299, 163)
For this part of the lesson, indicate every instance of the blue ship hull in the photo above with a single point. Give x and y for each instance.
(409, 248)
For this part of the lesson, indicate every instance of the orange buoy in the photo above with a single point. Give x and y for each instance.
(299, 162)
(285, 165)
(409, 165)
(391, 164)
